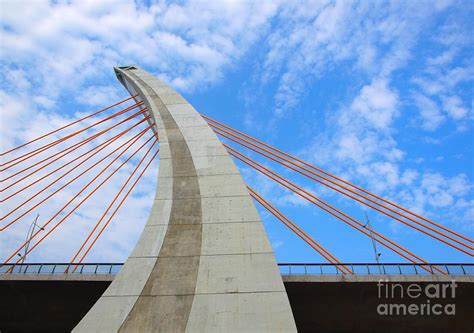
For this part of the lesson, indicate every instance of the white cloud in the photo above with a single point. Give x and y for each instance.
(453, 106)
(441, 192)
(98, 95)
(62, 45)
(362, 130)
(318, 36)
(408, 176)
(361, 146)
(431, 115)
(17, 78)
(292, 199)
(442, 59)
(441, 81)
(377, 104)
(13, 117)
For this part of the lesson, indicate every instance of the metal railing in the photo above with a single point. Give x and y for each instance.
(59, 268)
(285, 268)
(376, 269)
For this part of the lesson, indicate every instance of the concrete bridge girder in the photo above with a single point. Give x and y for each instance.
(203, 261)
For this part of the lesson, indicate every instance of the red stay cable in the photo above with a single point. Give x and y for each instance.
(68, 125)
(108, 208)
(309, 196)
(66, 151)
(115, 211)
(337, 178)
(39, 150)
(79, 204)
(103, 144)
(365, 203)
(298, 231)
(133, 140)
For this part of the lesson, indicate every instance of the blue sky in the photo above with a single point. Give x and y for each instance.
(380, 93)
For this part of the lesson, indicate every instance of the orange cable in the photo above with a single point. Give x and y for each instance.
(365, 203)
(339, 179)
(284, 183)
(66, 151)
(340, 218)
(217, 128)
(272, 209)
(109, 207)
(70, 124)
(104, 144)
(134, 139)
(61, 177)
(298, 231)
(54, 143)
(46, 147)
(79, 204)
(115, 211)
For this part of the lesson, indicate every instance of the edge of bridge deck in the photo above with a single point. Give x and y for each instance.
(316, 278)
(57, 277)
(376, 277)
(290, 272)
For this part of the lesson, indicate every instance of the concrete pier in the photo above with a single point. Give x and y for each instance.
(203, 262)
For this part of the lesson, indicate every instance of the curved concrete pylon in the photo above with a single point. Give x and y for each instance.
(203, 262)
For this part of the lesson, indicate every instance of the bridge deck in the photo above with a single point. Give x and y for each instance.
(320, 302)
(322, 278)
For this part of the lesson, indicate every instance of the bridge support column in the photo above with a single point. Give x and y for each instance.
(203, 262)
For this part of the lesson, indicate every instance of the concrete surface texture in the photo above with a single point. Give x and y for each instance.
(203, 262)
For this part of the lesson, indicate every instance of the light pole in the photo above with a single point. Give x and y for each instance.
(29, 236)
(374, 244)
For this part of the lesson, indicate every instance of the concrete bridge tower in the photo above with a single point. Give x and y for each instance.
(203, 262)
